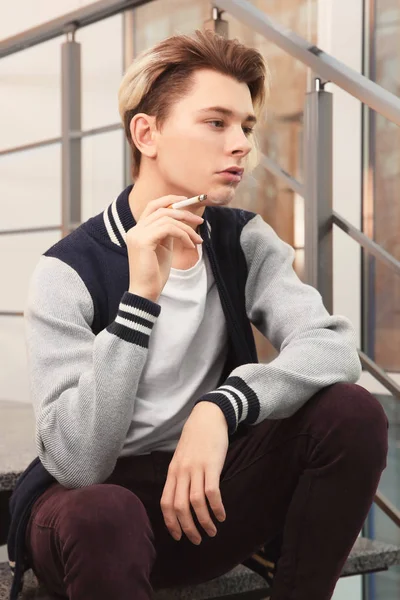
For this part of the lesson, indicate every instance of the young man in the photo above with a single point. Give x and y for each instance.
(168, 455)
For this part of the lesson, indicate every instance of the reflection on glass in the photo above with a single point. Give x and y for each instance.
(281, 136)
(382, 201)
(387, 584)
(382, 285)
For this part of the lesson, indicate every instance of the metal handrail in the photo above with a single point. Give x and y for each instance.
(58, 140)
(388, 508)
(31, 146)
(379, 374)
(30, 230)
(320, 62)
(356, 234)
(270, 165)
(328, 67)
(364, 241)
(76, 135)
(69, 22)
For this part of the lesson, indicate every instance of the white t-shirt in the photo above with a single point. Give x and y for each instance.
(187, 353)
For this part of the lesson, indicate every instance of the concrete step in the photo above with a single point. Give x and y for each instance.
(367, 556)
(239, 580)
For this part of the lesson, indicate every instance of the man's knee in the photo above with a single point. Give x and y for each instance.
(355, 421)
(106, 514)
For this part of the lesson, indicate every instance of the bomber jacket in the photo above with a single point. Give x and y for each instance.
(88, 338)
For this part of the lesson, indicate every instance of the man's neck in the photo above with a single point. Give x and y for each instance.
(144, 192)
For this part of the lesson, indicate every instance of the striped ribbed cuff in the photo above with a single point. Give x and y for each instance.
(237, 400)
(135, 319)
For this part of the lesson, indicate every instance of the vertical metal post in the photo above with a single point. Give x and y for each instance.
(216, 23)
(368, 262)
(318, 182)
(70, 122)
(368, 187)
(128, 54)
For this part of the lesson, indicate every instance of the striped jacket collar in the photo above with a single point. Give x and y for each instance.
(118, 219)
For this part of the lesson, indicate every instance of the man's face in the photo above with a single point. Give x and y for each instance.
(195, 145)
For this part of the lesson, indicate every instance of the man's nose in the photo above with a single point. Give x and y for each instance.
(240, 143)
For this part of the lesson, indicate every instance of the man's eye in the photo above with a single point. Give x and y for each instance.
(247, 130)
(220, 122)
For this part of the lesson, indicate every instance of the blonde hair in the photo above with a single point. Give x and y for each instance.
(163, 74)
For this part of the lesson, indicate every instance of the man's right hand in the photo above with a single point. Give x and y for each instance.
(150, 244)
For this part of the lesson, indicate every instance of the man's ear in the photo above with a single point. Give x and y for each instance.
(143, 129)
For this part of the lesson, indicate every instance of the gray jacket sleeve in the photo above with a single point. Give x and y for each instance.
(315, 348)
(83, 385)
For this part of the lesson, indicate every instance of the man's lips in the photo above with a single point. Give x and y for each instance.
(234, 169)
(228, 176)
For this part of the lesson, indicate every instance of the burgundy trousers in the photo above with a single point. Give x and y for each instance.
(310, 478)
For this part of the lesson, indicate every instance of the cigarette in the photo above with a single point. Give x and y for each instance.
(189, 201)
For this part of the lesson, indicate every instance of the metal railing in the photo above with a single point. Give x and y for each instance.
(67, 23)
(317, 186)
(320, 216)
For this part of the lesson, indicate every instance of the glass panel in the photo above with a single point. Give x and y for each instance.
(384, 314)
(102, 171)
(30, 188)
(381, 208)
(387, 585)
(281, 138)
(381, 284)
(162, 18)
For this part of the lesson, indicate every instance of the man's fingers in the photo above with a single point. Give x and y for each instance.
(198, 501)
(170, 225)
(182, 509)
(167, 507)
(162, 202)
(213, 494)
(178, 215)
(167, 230)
